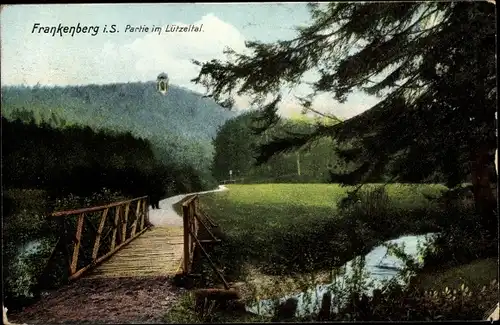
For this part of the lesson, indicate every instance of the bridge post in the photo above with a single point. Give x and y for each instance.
(137, 216)
(196, 219)
(97, 242)
(115, 227)
(185, 220)
(146, 207)
(78, 240)
(144, 214)
(125, 221)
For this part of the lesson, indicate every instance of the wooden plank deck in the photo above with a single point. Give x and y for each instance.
(157, 252)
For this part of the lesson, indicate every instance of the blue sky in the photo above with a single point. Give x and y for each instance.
(31, 58)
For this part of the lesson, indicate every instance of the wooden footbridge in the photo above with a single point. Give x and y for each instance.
(117, 240)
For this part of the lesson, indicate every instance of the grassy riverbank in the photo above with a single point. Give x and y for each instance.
(294, 228)
(473, 275)
(280, 238)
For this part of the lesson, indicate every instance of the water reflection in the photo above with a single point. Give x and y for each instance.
(30, 248)
(379, 266)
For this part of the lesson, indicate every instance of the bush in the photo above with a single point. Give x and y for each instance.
(461, 238)
(370, 209)
(407, 304)
(370, 213)
(24, 225)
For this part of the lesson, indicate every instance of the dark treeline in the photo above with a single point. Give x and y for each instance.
(47, 168)
(237, 146)
(80, 161)
(179, 125)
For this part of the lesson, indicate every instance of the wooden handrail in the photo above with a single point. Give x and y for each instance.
(189, 200)
(94, 209)
(129, 219)
(226, 285)
(192, 221)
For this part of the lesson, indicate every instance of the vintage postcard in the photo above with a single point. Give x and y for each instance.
(249, 162)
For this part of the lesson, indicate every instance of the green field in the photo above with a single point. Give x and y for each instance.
(294, 228)
(279, 239)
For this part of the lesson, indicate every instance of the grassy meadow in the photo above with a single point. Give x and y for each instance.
(279, 239)
(284, 229)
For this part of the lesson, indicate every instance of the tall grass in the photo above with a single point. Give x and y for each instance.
(295, 228)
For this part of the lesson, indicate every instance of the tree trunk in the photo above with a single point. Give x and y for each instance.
(483, 195)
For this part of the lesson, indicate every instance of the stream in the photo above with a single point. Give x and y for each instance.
(380, 267)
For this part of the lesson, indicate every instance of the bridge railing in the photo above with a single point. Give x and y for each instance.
(195, 223)
(91, 235)
(191, 227)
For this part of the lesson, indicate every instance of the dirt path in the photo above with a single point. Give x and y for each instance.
(166, 215)
(122, 300)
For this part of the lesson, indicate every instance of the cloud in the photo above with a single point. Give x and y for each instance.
(109, 59)
(173, 52)
(81, 60)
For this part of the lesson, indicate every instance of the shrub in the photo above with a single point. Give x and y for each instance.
(407, 304)
(370, 212)
(461, 238)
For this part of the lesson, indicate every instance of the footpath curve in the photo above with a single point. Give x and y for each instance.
(166, 215)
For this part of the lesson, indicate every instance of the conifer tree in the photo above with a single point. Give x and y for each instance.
(433, 64)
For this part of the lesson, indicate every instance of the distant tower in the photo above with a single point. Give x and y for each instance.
(162, 83)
